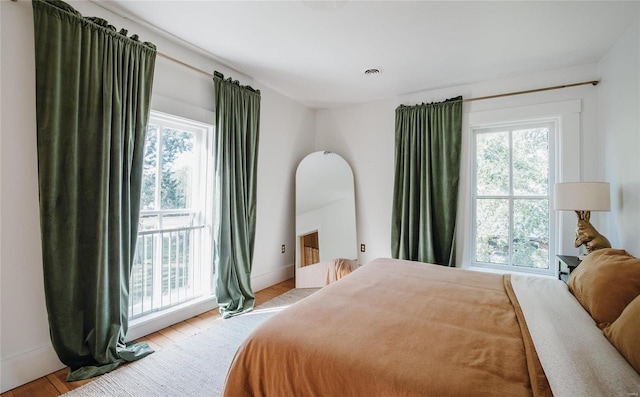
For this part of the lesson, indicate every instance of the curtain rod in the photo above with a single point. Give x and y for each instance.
(185, 64)
(592, 82)
(556, 87)
(211, 75)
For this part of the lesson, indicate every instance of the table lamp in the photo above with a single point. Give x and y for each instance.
(584, 197)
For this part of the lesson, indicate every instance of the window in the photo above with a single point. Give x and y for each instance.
(173, 261)
(512, 185)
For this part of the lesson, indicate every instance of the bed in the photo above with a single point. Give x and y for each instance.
(401, 328)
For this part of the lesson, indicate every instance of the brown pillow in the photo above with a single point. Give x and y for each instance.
(624, 333)
(606, 281)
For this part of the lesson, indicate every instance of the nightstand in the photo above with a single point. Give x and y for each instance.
(566, 265)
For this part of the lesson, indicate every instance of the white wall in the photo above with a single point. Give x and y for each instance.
(619, 126)
(364, 135)
(24, 339)
(286, 136)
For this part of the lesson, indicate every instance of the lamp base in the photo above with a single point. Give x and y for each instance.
(587, 235)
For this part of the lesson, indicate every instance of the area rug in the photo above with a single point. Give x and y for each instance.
(195, 366)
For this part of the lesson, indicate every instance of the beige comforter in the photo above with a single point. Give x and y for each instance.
(394, 328)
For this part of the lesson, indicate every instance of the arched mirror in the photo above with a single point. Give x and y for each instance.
(325, 219)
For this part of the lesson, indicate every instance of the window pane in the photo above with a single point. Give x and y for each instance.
(149, 169)
(531, 162)
(178, 164)
(531, 233)
(175, 221)
(142, 275)
(148, 222)
(171, 266)
(492, 231)
(492, 157)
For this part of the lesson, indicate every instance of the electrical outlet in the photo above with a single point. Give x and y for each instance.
(283, 248)
(362, 248)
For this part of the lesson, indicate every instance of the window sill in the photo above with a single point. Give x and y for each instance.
(504, 271)
(156, 321)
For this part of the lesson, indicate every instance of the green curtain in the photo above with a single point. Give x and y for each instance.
(427, 171)
(236, 160)
(93, 87)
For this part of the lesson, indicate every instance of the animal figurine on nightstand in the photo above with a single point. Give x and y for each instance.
(588, 235)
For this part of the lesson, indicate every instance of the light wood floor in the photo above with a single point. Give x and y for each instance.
(54, 384)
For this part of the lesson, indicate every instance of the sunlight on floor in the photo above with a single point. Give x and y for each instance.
(268, 310)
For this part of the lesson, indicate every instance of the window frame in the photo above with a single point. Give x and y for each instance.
(201, 208)
(554, 132)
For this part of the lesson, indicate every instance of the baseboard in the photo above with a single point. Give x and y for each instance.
(26, 367)
(268, 279)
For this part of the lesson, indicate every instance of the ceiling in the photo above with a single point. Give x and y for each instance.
(318, 56)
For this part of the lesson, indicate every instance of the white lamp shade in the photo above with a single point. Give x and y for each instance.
(582, 196)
